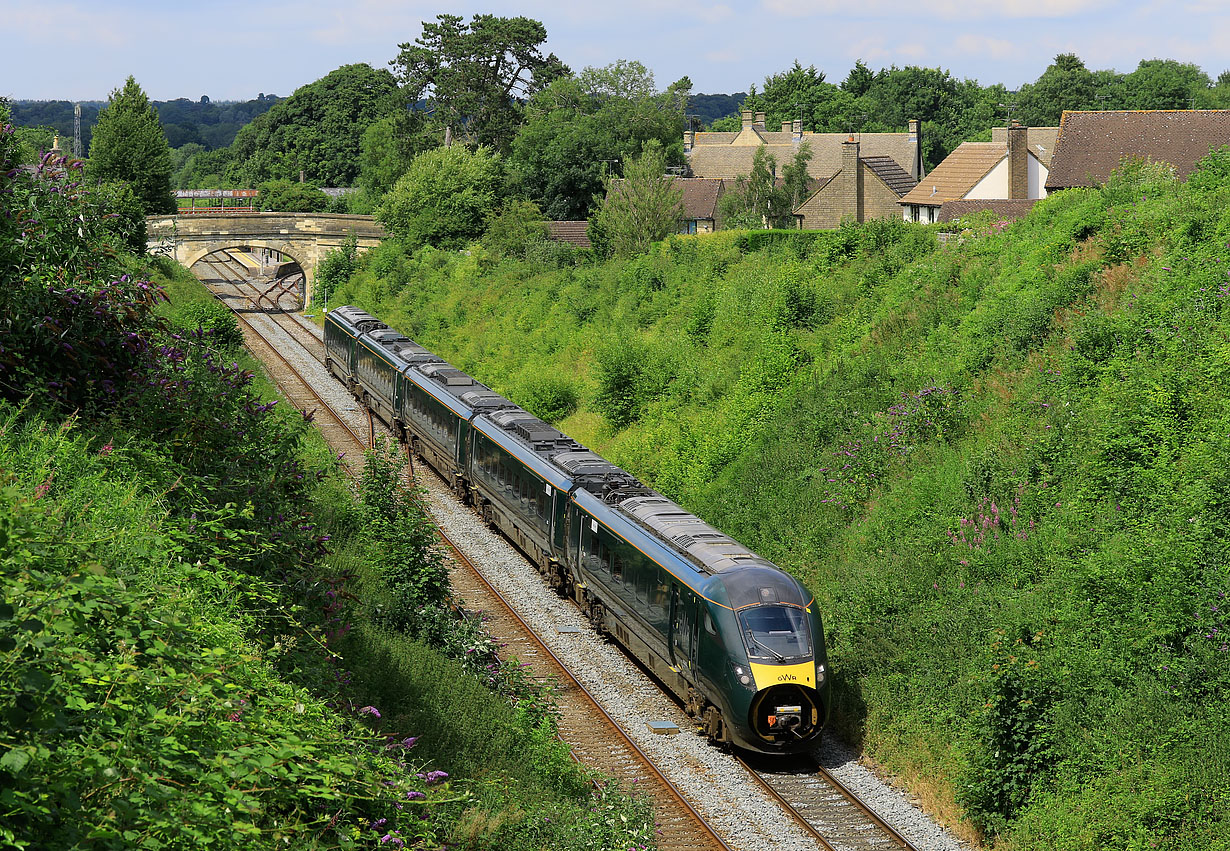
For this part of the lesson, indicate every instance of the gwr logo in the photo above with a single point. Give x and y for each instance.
(787, 678)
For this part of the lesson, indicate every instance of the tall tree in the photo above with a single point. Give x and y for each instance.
(580, 129)
(317, 130)
(1167, 84)
(757, 201)
(473, 77)
(642, 208)
(129, 145)
(1065, 84)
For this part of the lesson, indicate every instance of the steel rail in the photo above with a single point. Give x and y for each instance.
(868, 811)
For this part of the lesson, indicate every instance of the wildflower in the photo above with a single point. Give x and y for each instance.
(415, 795)
(370, 710)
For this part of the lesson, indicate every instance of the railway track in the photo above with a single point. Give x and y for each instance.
(596, 739)
(816, 801)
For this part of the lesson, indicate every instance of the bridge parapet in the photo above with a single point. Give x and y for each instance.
(304, 237)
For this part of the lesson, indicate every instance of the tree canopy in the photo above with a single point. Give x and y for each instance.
(445, 198)
(317, 130)
(581, 129)
(128, 145)
(471, 77)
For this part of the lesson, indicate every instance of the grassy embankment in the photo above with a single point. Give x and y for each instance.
(999, 463)
(207, 642)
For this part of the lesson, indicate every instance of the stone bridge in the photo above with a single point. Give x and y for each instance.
(304, 238)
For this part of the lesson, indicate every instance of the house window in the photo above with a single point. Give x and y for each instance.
(688, 227)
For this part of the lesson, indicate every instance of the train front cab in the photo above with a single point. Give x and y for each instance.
(775, 672)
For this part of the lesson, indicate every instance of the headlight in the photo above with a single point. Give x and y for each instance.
(744, 676)
(819, 675)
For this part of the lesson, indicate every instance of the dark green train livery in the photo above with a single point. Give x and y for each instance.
(736, 639)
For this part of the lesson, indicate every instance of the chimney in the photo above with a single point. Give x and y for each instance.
(747, 118)
(689, 139)
(851, 188)
(1018, 161)
(916, 169)
(787, 127)
(760, 118)
(796, 127)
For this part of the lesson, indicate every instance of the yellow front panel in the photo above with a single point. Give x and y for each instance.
(772, 675)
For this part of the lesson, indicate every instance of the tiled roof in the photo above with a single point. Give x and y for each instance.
(1041, 141)
(1092, 144)
(730, 155)
(957, 174)
(898, 179)
(573, 233)
(700, 196)
(1010, 210)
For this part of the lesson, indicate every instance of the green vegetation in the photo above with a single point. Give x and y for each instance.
(999, 462)
(445, 198)
(205, 642)
(129, 146)
(641, 208)
(472, 77)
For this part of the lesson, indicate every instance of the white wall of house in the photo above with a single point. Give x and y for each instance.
(994, 185)
(1037, 177)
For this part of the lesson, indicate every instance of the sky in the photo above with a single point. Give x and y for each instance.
(236, 49)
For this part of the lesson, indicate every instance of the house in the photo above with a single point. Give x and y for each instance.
(729, 155)
(1092, 144)
(863, 188)
(1013, 166)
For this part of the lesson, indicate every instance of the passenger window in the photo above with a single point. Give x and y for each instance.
(617, 567)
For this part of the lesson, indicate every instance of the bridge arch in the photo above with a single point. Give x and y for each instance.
(284, 248)
(304, 237)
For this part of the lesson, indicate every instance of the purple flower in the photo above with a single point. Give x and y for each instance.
(370, 710)
(415, 795)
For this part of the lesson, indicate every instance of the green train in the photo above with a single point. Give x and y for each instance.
(737, 640)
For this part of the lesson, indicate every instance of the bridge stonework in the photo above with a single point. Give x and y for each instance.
(304, 237)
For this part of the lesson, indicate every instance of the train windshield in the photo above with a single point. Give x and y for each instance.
(776, 633)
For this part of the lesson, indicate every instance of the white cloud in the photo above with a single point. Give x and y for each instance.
(996, 48)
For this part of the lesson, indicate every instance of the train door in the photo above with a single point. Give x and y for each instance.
(683, 627)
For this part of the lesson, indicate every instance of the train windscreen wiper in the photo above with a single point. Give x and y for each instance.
(752, 637)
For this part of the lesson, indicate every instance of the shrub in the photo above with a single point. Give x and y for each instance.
(217, 321)
(550, 398)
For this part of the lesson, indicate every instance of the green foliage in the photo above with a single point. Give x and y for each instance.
(290, 196)
(640, 209)
(550, 398)
(757, 201)
(337, 267)
(445, 198)
(473, 76)
(128, 145)
(317, 131)
(517, 228)
(579, 129)
(215, 320)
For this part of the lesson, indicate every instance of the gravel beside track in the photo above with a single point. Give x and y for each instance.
(713, 782)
